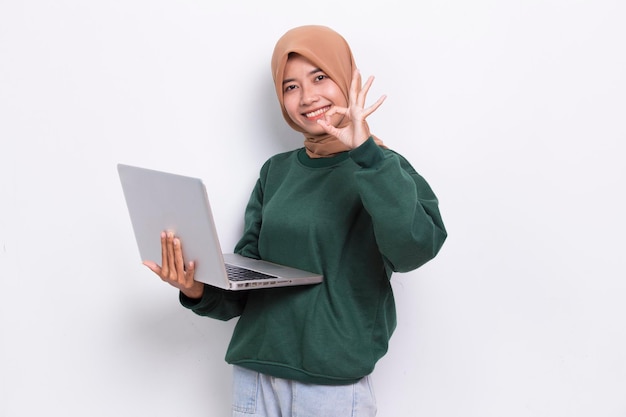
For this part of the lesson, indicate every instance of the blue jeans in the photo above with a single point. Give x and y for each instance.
(259, 395)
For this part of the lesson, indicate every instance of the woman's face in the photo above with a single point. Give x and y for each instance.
(308, 93)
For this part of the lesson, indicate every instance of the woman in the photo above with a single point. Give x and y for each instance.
(345, 206)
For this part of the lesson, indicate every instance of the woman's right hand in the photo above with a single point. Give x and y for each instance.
(173, 270)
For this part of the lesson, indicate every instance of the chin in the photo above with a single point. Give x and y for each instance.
(316, 132)
(311, 128)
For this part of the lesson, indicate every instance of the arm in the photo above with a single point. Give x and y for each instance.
(407, 223)
(216, 303)
(202, 299)
(404, 210)
(248, 244)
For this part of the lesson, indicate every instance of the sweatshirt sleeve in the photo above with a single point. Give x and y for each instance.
(216, 303)
(405, 212)
(248, 244)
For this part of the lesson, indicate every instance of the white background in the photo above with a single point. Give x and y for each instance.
(514, 111)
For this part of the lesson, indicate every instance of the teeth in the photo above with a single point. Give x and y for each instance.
(316, 112)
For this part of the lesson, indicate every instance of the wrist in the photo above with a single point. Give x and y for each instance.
(368, 155)
(195, 292)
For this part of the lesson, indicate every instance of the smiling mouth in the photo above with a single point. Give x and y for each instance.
(317, 113)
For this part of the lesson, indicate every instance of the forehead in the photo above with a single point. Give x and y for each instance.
(296, 62)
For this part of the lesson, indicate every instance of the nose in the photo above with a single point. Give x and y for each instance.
(308, 95)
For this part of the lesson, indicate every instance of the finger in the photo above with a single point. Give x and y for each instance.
(178, 259)
(326, 122)
(364, 91)
(153, 267)
(191, 270)
(354, 87)
(335, 110)
(371, 109)
(170, 255)
(165, 266)
(328, 127)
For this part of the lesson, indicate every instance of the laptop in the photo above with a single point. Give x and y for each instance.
(159, 201)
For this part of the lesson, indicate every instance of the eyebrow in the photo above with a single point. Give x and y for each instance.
(312, 72)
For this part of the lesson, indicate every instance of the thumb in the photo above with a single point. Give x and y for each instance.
(153, 266)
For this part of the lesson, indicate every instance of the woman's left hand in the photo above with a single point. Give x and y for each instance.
(356, 132)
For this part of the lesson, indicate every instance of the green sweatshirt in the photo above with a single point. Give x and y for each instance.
(355, 218)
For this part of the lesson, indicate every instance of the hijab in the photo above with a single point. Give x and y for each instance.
(328, 51)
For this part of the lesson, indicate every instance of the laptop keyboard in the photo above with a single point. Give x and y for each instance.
(236, 273)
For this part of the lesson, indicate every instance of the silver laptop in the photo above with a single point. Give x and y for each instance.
(159, 201)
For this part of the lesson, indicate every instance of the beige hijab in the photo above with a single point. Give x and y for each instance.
(329, 51)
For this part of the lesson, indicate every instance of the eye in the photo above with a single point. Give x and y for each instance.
(320, 77)
(289, 87)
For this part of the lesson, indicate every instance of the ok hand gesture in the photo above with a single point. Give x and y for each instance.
(356, 132)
